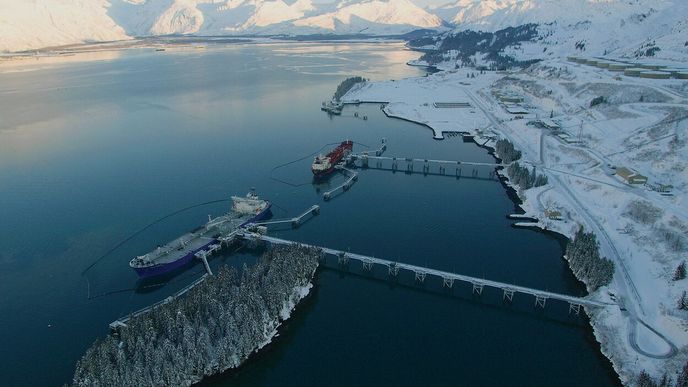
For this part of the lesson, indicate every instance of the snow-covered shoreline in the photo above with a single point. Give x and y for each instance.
(581, 191)
(214, 328)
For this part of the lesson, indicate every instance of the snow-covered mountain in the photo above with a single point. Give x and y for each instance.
(622, 28)
(625, 27)
(29, 24)
(376, 16)
(492, 15)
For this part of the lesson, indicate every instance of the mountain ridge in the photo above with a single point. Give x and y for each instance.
(624, 26)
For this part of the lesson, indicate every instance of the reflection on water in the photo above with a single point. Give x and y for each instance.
(44, 62)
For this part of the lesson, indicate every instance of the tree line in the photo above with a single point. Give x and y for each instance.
(645, 380)
(524, 177)
(506, 151)
(216, 326)
(346, 85)
(583, 253)
(491, 46)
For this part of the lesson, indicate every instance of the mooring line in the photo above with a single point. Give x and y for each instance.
(296, 185)
(132, 236)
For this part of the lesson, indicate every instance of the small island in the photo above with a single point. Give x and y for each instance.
(215, 327)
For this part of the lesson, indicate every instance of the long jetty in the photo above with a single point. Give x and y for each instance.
(448, 278)
(412, 161)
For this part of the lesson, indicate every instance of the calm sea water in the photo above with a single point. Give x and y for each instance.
(92, 151)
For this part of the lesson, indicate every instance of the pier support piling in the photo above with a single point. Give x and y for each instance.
(575, 308)
(540, 301)
(367, 265)
(478, 288)
(203, 256)
(342, 259)
(420, 276)
(447, 282)
(508, 295)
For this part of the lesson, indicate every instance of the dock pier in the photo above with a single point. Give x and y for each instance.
(351, 179)
(409, 166)
(426, 165)
(421, 273)
(204, 254)
(122, 322)
(295, 221)
(410, 161)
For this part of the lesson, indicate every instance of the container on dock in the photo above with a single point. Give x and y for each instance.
(633, 71)
(655, 74)
(618, 66)
(681, 74)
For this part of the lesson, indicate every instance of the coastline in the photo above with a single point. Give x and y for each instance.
(646, 329)
(519, 199)
(123, 349)
(274, 341)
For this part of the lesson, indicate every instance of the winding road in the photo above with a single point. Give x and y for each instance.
(624, 284)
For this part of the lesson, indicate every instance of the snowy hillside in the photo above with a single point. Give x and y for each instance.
(30, 24)
(35, 24)
(616, 28)
(588, 27)
(492, 15)
(377, 17)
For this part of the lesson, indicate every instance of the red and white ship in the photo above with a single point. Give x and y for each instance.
(323, 165)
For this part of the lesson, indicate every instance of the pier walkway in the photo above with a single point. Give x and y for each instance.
(122, 322)
(351, 179)
(409, 164)
(295, 221)
(459, 173)
(448, 279)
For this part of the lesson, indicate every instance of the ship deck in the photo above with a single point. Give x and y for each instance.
(192, 241)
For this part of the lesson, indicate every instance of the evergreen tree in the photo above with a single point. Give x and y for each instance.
(585, 261)
(346, 85)
(683, 301)
(682, 380)
(644, 380)
(680, 272)
(214, 327)
(506, 151)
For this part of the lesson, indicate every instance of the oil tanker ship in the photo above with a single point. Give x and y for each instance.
(183, 250)
(324, 165)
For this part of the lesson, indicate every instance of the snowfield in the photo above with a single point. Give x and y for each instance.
(36, 24)
(642, 126)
